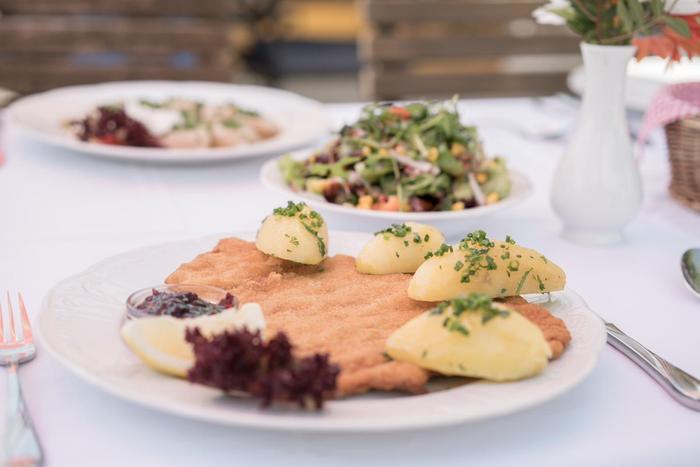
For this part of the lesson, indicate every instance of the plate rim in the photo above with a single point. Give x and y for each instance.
(269, 176)
(281, 424)
(170, 156)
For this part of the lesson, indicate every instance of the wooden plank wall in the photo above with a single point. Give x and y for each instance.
(49, 43)
(425, 48)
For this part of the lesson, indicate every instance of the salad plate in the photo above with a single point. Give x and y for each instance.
(395, 162)
(46, 117)
(80, 320)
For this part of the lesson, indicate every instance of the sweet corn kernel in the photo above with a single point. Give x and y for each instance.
(365, 202)
(383, 152)
(433, 154)
(492, 198)
(366, 151)
(482, 177)
(458, 206)
(316, 186)
(457, 149)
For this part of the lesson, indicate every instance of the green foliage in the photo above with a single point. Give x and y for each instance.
(617, 22)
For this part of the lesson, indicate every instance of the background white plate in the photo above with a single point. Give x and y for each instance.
(301, 120)
(79, 325)
(447, 221)
(644, 79)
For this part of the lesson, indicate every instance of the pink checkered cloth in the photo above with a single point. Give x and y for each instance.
(672, 103)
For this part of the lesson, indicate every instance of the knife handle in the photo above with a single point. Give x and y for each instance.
(682, 386)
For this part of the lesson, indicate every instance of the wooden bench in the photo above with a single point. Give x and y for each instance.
(49, 43)
(425, 48)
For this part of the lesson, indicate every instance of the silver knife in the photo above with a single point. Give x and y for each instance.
(683, 387)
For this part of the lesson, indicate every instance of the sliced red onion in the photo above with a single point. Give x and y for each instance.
(420, 166)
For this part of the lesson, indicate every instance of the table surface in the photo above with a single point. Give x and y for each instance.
(61, 212)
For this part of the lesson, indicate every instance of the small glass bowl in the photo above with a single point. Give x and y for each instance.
(205, 292)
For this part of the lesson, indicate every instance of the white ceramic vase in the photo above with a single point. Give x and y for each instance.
(596, 189)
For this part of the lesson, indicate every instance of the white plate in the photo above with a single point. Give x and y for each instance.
(301, 120)
(79, 325)
(644, 79)
(271, 177)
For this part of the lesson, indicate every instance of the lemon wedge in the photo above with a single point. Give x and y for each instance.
(160, 343)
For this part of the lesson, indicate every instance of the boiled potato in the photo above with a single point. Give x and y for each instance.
(400, 248)
(478, 264)
(295, 233)
(472, 337)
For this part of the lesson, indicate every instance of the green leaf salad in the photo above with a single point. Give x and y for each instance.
(414, 158)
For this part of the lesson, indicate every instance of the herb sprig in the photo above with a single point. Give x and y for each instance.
(310, 220)
(397, 230)
(473, 303)
(477, 248)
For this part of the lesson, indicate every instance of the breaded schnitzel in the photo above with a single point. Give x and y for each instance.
(554, 330)
(329, 308)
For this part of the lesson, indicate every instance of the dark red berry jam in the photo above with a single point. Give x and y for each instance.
(183, 304)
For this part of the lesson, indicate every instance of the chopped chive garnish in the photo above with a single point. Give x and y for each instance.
(522, 282)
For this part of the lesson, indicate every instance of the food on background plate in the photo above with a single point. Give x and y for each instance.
(491, 267)
(172, 123)
(399, 248)
(472, 337)
(413, 158)
(295, 233)
(159, 341)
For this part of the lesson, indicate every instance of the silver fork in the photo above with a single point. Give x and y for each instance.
(21, 447)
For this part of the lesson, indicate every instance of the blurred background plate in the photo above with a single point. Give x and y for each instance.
(450, 222)
(645, 79)
(301, 121)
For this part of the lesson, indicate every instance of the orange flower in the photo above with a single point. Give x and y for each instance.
(669, 43)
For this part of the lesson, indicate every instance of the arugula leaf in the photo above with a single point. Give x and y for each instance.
(449, 163)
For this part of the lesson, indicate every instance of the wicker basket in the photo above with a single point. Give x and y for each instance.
(683, 139)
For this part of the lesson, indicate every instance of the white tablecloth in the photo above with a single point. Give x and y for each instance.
(61, 212)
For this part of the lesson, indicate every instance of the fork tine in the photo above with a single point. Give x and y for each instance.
(13, 334)
(26, 326)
